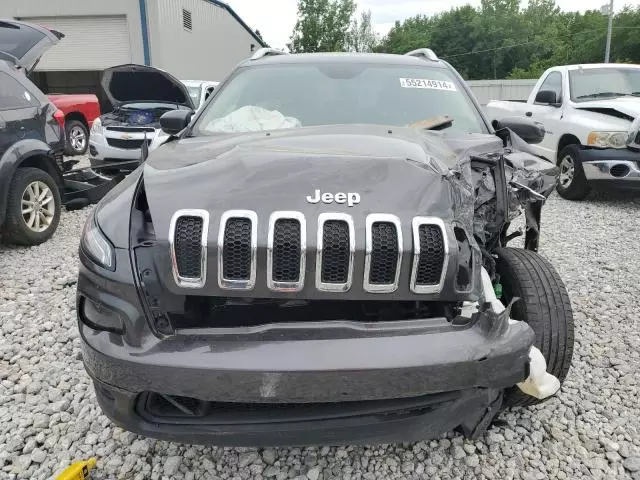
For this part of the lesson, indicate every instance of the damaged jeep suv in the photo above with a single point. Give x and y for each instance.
(319, 257)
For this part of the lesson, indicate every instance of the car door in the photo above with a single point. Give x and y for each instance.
(23, 44)
(550, 115)
(21, 111)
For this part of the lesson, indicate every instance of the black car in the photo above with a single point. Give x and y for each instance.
(31, 139)
(320, 257)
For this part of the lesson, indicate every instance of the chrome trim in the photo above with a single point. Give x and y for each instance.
(335, 287)
(415, 224)
(230, 284)
(189, 282)
(286, 286)
(601, 170)
(371, 219)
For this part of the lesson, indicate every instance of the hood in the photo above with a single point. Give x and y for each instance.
(621, 107)
(22, 44)
(403, 171)
(139, 83)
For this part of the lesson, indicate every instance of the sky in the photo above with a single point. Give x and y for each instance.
(276, 18)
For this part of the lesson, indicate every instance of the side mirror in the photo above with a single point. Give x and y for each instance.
(175, 121)
(547, 97)
(527, 130)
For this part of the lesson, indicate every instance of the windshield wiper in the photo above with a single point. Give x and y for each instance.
(604, 94)
(435, 123)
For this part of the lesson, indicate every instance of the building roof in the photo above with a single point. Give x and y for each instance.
(239, 20)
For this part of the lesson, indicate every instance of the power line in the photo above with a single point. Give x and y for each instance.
(532, 41)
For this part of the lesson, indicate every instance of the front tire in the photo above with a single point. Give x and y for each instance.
(572, 183)
(544, 305)
(33, 207)
(77, 138)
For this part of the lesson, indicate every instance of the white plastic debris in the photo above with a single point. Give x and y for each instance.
(540, 383)
(252, 119)
(489, 293)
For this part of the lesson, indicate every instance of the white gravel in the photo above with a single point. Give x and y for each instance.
(49, 416)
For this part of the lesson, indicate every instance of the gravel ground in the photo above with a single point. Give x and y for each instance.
(49, 416)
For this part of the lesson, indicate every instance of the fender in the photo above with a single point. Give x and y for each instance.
(14, 157)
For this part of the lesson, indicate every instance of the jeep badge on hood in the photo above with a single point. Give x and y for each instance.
(350, 198)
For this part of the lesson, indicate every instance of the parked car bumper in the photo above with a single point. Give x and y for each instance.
(101, 150)
(338, 382)
(612, 167)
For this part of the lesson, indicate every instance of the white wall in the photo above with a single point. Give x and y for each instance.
(56, 8)
(216, 43)
(486, 90)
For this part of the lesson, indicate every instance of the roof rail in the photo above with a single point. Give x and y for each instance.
(423, 52)
(264, 52)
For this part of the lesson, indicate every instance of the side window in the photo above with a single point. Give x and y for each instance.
(208, 92)
(553, 83)
(14, 95)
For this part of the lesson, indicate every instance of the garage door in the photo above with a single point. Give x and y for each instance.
(90, 43)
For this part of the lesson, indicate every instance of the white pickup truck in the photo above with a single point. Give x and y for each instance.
(591, 114)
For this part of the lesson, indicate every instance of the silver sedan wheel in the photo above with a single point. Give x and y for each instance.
(567, 169)
(77, 138)
(38, 206)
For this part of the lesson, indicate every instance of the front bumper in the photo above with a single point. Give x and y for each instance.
(374, 382)
(100, 150)
(611, 167)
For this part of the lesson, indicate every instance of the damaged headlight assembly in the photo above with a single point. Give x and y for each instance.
(96, 245)
(607, 139)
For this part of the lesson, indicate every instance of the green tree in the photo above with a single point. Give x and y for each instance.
(322, 26)
(501, 40)
(362, 36)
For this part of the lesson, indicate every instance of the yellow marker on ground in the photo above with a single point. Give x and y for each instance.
(78, 470)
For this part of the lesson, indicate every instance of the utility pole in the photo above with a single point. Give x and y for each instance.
(608, 47)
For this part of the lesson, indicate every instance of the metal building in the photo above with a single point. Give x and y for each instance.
(191, 39)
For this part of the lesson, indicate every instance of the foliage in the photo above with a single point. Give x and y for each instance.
(362, 36)
(322, 26)
(500, 39)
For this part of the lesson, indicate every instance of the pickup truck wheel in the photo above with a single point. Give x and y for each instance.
(572, 184)
(33, 207)
(544, 305)
(77, 138)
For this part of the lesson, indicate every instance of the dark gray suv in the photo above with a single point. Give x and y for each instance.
(319, 257)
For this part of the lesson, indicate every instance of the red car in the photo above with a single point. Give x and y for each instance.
(80, 110)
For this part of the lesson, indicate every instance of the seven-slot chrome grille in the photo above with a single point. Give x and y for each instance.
(287, 246)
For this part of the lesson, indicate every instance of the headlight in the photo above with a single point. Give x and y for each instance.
(607, 139)
(96, 126)
(96, 245)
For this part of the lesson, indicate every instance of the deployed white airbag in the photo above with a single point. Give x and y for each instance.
(252, 119)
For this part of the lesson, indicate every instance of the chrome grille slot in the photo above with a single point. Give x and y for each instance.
(237, 243)
(188, 247)
(286, 251)
(430, 254)
(383, 253)
(335, 252)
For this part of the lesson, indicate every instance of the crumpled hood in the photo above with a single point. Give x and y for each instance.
(402, 171)
(629, 106)
(139, 83)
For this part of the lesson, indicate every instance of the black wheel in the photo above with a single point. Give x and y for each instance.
(77, 138)
(544, 304)
(33, 209)
(572, 183)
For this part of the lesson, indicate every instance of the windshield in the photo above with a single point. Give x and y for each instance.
(195, 93)
(591, 83)
(294, 96)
